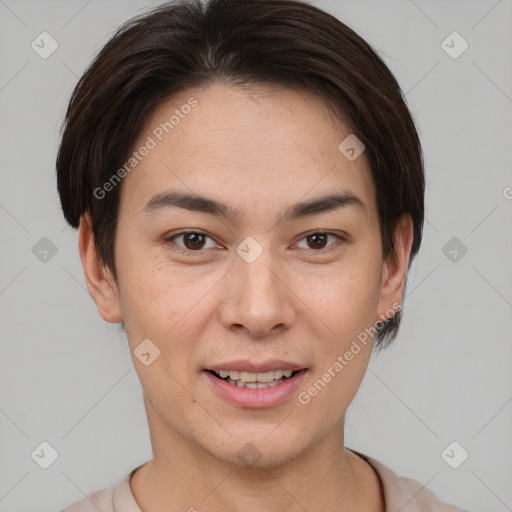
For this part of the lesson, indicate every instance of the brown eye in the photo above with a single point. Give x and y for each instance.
(192, 241)
(317, 241)
(320, 240)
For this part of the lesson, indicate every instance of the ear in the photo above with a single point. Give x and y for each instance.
(99, 279)
(395, 268)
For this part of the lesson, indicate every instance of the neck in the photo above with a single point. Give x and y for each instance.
(324, 477)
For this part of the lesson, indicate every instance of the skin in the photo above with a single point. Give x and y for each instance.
(260, 150)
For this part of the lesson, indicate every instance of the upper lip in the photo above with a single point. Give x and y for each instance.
(243, 365)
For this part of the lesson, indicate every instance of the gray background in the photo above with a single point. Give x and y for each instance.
(66, 376)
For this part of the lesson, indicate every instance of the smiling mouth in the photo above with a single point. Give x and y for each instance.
(250, 380)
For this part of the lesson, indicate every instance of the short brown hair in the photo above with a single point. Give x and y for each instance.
(187, 43)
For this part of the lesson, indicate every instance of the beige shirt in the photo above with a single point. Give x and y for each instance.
(400, 495)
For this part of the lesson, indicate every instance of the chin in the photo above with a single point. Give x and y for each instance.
(255, 451)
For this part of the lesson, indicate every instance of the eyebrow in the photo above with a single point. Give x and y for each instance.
(202, 204)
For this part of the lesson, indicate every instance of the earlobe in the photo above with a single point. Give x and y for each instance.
(98, 277)
(395, 269)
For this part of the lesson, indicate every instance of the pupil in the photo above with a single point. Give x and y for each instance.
(316, 236)
(192, 240)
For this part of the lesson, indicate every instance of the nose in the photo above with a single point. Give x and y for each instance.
(258, 298)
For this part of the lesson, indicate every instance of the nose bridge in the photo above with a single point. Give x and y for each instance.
(259, 278)
(259, 301)
(259, 284)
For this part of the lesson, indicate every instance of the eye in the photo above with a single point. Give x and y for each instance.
(193, 241)
(318, 240)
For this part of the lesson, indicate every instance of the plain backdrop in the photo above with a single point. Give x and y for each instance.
(66, 376)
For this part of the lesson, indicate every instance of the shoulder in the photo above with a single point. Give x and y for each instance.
(404, 494)
(116, 498)
(102, 500)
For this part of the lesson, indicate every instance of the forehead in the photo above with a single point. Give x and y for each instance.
(245, 144)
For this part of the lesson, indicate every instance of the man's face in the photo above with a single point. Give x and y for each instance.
(256, 287)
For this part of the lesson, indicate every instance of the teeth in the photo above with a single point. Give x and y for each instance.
(254, 385)
(251, 377)
(254, 378)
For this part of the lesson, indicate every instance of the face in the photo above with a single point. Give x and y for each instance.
(275, 266)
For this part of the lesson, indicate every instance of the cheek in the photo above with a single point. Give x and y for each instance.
(345, 300)
(163, 303)
(146, 293)
(346, 314)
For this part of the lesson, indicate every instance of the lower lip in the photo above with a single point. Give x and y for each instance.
(253, 398)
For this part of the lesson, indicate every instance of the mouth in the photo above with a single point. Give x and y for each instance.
(249, 385)
(259, 380)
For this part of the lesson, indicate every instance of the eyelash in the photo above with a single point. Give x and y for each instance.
(187, 252)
